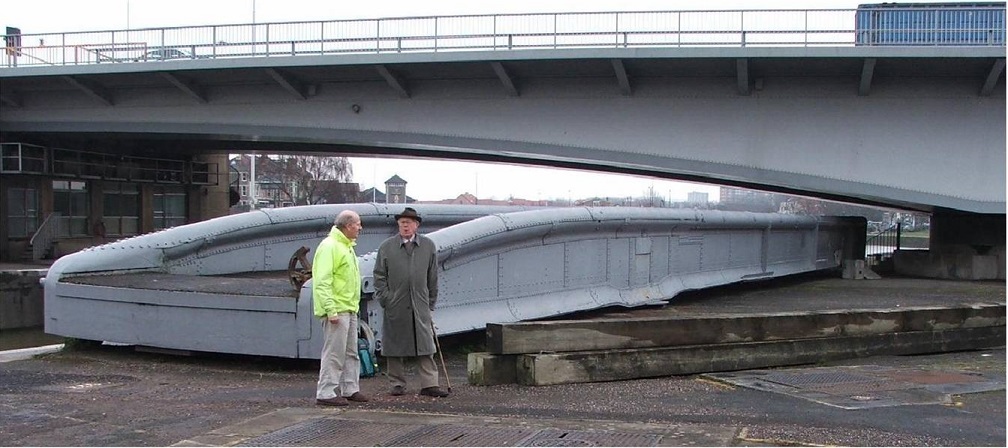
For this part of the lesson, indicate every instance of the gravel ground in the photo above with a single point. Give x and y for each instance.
(116, 396)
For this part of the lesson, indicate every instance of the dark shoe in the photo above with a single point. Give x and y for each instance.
(359, 397)
(433, 392)
(334, 401)
(398, 390)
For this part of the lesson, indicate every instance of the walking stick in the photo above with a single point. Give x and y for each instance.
(437, 342)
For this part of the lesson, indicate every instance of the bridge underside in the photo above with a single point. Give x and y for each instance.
(865, 125)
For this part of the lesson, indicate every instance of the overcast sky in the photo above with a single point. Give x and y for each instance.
(427, 179)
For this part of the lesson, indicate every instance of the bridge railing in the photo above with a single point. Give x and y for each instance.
(731, 28)
(881, 245)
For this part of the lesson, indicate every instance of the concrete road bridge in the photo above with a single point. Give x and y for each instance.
(791, 101)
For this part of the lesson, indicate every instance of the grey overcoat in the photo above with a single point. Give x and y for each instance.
(406, 286)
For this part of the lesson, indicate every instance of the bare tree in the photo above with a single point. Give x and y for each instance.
(310, 179)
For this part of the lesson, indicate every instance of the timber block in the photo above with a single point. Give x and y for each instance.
(652, 332)
(614, 365)
(487, 370)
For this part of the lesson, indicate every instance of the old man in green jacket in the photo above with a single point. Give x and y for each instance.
(336, 288)
(406, 286)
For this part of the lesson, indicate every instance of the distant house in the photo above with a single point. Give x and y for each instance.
(396, 188)
(372, 195)
(270, 191)
(333, 192)
(470, 199)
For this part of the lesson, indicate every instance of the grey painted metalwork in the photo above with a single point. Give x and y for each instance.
(171, 289)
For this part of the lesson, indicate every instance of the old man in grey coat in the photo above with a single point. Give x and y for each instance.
(406, 286)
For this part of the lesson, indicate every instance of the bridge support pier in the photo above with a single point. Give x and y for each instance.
(964, 246)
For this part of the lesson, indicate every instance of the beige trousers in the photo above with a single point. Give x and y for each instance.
(339, 372)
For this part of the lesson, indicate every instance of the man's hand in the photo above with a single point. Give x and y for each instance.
(333, 319)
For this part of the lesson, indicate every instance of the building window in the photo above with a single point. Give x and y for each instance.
(70, 199)
(22, 212)
(122, 209)
(244, 176)
(244, 190)
(169, 208)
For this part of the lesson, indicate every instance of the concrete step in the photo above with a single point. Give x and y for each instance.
(624, 364)
(605, 334)
(571, 351)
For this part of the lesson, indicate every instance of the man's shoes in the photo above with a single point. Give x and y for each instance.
(359, 397)
(433, 391)
(334, 401)
(398, 390)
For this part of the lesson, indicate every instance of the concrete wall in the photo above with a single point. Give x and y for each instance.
(21, 299)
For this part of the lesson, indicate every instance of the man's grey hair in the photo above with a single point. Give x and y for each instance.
(345, 218)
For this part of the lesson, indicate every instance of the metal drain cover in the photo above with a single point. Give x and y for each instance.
(332, 432)
(459, 435)
(805, 379)
(560, 437)
(858, 387)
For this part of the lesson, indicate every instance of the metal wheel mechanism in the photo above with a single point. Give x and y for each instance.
(299, 268)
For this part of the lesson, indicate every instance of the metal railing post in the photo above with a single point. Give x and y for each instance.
(742, 27)
(617, 33)
(899, 229)
(805, 35)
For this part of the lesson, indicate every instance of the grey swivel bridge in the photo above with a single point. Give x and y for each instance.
(207, 286)
(787, 101)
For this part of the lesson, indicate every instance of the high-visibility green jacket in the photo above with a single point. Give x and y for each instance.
(336, 281)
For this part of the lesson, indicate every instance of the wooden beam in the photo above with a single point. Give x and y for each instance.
(867, 73)
(92, 89)
(742, 74)
(395, 81)
(606, 334)
(505, 78)
(622, 77)
(289, 83)
(189, 88)
(992, 77)
(614, 365)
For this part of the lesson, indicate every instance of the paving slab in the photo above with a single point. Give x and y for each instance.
(865, 386)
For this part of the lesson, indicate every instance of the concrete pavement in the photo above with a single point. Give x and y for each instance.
(116, 396)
